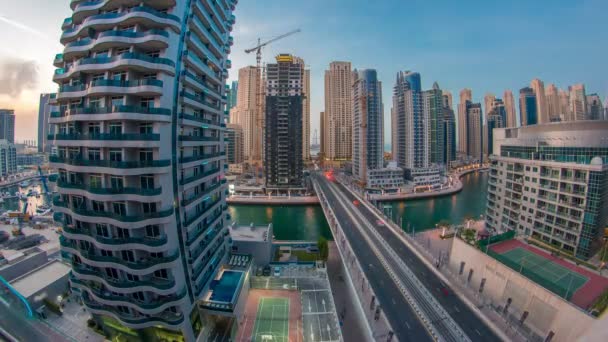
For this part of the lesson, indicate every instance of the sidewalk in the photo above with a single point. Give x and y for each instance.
(73, 322)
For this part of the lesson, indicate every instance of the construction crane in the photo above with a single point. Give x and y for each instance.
(258, 48)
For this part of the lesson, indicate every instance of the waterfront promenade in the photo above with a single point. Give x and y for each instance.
(273, 200)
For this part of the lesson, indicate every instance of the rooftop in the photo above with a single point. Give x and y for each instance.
(251, 233)
(38, 279)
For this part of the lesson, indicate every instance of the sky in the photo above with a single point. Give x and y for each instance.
(488, 46)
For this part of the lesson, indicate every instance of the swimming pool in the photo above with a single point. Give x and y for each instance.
(225, 288)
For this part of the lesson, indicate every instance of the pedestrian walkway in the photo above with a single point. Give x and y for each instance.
(73, 323)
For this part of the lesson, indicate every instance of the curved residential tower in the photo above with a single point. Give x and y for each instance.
(140, 154)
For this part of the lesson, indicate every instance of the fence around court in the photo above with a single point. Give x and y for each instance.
(539, 275)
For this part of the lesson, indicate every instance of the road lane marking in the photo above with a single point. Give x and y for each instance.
(408, 326)
(456, 308)
(477, 331)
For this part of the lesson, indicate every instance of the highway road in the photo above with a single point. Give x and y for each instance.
(459, 312)
(406, 325)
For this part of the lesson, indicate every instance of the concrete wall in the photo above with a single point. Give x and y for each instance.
(547, 312)
(24, 265)
(260, 250)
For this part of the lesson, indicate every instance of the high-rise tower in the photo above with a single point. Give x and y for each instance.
(538, 88)
(247, 114)
(44, 111)
(7, 125)
(465, 95)
(338, 119)
(578, 102)
(528, 112)
(140, 155)
(509, 101)
(283, 123)
(368, 123)
(553, 107)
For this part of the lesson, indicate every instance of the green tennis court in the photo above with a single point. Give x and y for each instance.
(272, 320)
(547, 273)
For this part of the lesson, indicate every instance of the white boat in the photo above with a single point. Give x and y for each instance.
(24, 184)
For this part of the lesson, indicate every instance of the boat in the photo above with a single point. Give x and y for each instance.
(24, 184)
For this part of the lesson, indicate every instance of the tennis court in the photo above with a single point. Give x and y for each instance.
(547, 273)
(272, 320)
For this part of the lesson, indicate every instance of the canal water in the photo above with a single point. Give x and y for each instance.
(308, 222)
(422, 214)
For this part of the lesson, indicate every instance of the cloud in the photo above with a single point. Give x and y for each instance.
(24, 27)
(16, 76)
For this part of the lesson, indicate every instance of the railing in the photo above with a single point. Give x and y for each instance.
(200, 195)
(199, 157)
(109, 110)
(199, 176)
(206, 208)
(110, 163)
(106, 136)
(160, 284)
(169, 319)
(197, 138)
(110, 191)
(151, 242)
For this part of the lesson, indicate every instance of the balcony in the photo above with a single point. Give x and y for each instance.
(157, 284)
(135, 322)
(110, 163)
(110, 191)
(205, 192)
(199, 176)
(111, 113)
(201, 157)
(197, 138)
(110, 20)
(201, 102)
(143, 87)
(115, 216)
(106, 296)
(190, 117)
(106, 136)
(207, 206)
(193, 236)
(150, 242)
(142, 264)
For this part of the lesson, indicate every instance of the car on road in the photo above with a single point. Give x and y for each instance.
(266, 271)
(380, 223)
(277, 271)
(444, 289)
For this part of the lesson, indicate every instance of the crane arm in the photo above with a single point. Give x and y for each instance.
(272, 40)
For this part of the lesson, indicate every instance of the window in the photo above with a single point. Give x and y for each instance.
(94, 128)
(161, 274)
(112, 273)
(123, 233)
(116, 154)
(102, 230)
(128, 255)
(119, 76)
(132, 277)
(95, 181)
(120, 51)
(147, 102)
(146, 154)
(94, 154)
(152, 231)
(145, 128)
(78, 201)
(147, 182)
(116, 128)
(95, 102)
(97, 206)
(119, 208)
(148, 208)
(139, 296)
(106, 253)
(117, 101)
(97, 77)
(116, 182)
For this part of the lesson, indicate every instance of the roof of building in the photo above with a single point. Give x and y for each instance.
(38, 279)
(250, 233)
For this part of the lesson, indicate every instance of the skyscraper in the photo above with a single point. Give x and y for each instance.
(449, 131)
(338, 111)
(140, 157)
(447, 99)
(474, 122)
(595, 110)
(283, 123)
(247, 113)
(44, 112)
(465, 95)
(413, 150)
(578, 102)
(538, 87)
(232, 95)
(234, 144)
(496, 118)
(510, 109)
(564, 105)
(368, 123)
(553, 107)
(305, 110)
(432, 106)
(488, 101)
(7, 125)
(527, 107)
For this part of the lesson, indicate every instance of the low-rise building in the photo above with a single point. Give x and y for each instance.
(425, 177)
(31, 159)
(390, 177)
(253, 240)
(550, 182)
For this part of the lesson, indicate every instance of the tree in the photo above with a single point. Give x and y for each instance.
(323, 248)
